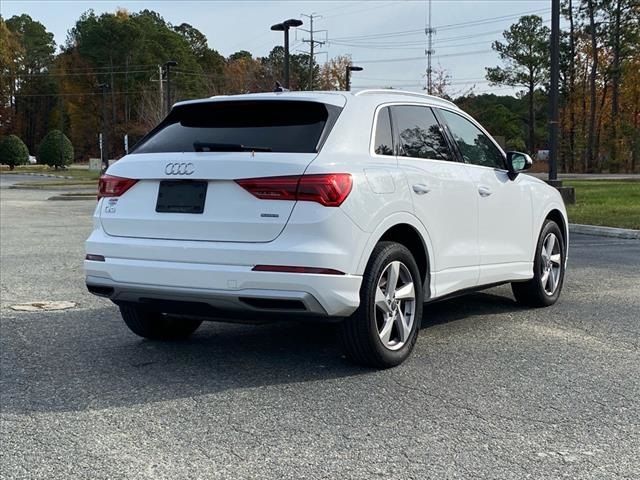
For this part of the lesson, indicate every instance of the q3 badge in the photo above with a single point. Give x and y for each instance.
(110, 206)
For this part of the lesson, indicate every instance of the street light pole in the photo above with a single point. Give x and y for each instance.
(286, 59)
(349, 69)
(284, 27)
(105, 144)
(167, 66)
(553, 90)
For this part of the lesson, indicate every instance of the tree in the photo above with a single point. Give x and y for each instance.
(31, 90)
(211, 62)
(500, 115)
(526, 57)
(332, 73)
(13, 151)
(245, 74)
(441, 82)
(10, 53)
(55, 150)
(298, 68)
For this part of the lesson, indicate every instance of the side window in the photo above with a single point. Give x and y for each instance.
(419, 132)
(475, 146)
(384, 138)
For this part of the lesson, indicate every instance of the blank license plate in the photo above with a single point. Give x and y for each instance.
(181, 196)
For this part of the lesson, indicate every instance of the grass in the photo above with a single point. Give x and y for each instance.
(75, 173)
(610, 203)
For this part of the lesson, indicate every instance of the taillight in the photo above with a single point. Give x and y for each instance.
(110, 186)
(328, 189)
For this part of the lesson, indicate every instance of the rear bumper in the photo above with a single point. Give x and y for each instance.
(233, 289)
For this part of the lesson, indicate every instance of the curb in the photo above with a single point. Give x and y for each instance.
(51, 175)
(604, 231)
(72, 197)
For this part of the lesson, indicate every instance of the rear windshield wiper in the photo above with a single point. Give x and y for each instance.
(227, 147)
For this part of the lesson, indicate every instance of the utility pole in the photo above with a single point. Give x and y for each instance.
(553, 90)
(105, 144)
(312, 43)
(167, 66)
(429, 31)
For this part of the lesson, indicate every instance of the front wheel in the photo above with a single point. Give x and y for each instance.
(384, 329)
(548, 270)
(154, 325)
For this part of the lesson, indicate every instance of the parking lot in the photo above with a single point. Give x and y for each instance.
(492, 390)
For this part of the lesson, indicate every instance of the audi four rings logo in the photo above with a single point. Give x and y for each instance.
(179, 168)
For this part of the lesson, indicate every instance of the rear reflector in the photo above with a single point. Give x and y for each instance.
(94, 258)
(291, 269)
(110, 186)
(328, 189)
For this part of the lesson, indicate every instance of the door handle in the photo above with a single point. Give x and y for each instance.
(484, 191)
(421, 189)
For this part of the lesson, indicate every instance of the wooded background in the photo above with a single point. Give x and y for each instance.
(43, 88)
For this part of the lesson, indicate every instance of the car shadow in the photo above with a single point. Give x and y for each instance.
(464, 306)
(88, 360)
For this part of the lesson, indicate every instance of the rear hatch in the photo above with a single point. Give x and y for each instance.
(186, 170)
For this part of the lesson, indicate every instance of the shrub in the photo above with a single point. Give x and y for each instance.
(13, 151)
(55, 150)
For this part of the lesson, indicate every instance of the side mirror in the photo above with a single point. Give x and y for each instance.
(517, 162)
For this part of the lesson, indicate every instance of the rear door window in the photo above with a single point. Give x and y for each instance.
(264, 125)
(419, 133)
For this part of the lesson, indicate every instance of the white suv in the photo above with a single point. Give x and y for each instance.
(357, 207)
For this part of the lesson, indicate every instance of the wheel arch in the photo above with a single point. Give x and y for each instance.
(557, 217)
(557, 213)
(408, 231)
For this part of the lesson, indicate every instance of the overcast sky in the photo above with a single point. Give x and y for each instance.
(386, 38)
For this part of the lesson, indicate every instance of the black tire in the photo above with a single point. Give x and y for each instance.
(533, 293)
(156, 326)
(360, 333)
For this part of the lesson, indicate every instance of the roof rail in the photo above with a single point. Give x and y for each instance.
(390, 91)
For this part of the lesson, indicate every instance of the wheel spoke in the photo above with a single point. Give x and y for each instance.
(393, 272)
(554, 280)
(381, 301)
(405, 292)
(545, 279)
(543, 253)
(385, 333)
(551, 243)
(403, 329)
(556, 258)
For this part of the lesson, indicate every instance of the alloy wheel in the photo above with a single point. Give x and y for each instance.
(395, 305)
(551, 264)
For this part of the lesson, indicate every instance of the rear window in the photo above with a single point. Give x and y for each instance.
(263, 125)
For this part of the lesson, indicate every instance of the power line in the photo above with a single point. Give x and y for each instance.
(368, 9)
(452, 26)
(400, 45)
(78, 94)
(47, 74)
(407, 59)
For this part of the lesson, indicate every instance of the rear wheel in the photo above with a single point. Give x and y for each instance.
(384, 329)
(155, 325)
(548, 270)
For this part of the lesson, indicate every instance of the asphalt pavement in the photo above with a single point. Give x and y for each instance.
(492, 390)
